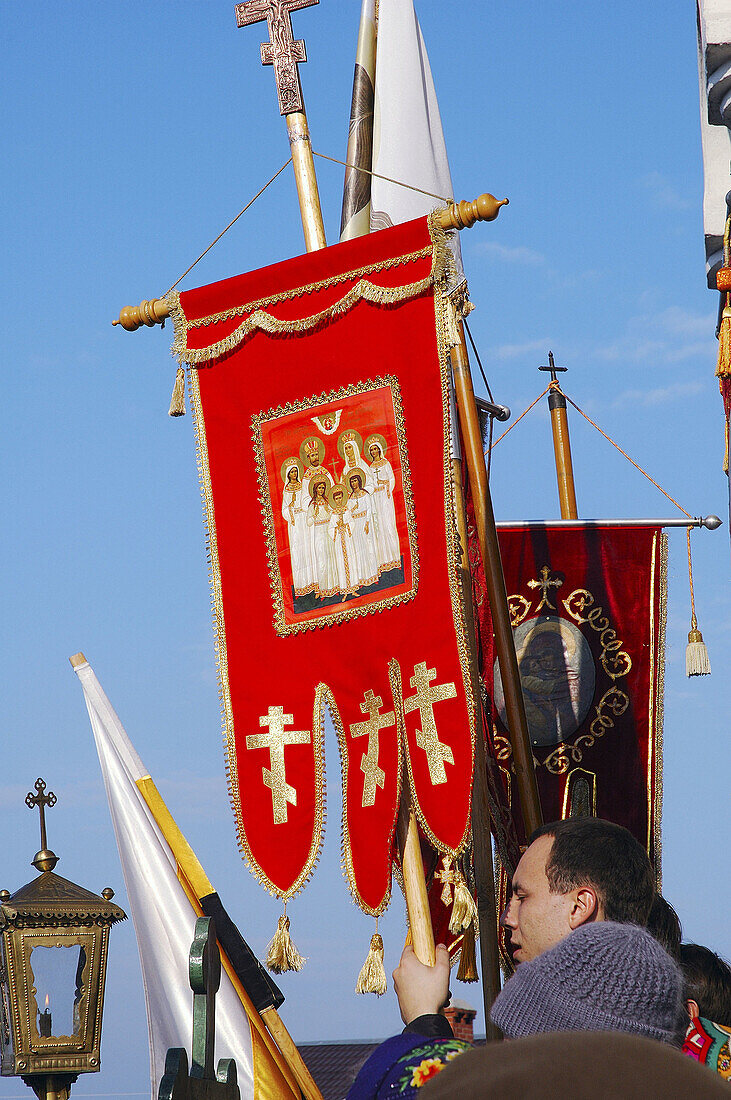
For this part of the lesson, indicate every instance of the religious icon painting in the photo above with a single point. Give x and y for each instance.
(337, 504)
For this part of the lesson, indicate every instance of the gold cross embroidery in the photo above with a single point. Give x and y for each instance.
(427, 737)
(373, 775)
(276, 740)
(448, 878)
(545, 585)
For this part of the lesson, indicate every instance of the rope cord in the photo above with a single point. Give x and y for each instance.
(210, 246)
(516, 422)
(693, 620)
(557, 387)
(491, 428)
(399, 183)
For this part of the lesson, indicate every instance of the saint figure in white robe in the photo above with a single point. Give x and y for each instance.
(342, 537)
(294, 514)
(362, 517)
(321, 545)
(383, 485)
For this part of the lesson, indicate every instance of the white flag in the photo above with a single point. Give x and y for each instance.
(408, 143)
(164, 918)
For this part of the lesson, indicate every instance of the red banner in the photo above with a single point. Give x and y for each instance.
(588, 612)
(320, 398)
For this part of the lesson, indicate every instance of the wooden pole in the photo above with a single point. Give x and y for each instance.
(306, 180)
(481, 833)
(495, 582)
(412, 868)
(561, 446)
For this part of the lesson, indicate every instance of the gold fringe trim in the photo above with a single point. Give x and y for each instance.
(257, 319)
(309, 288)
(282, 955)
(372, 977)
(723, 367)
(224, 694)
(467, 971)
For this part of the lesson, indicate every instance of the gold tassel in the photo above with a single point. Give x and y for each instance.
(723, 370)
(464, 910)
(177, 401)
(467, 960)
(697, 662)
(372, 977)
(282, 955)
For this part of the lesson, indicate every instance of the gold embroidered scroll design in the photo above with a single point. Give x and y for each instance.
(615, 661)
(581, 606)
(427, 738)
(276, 740)
(612, 704)
(373, 775)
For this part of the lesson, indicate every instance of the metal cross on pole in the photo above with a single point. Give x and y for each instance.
(41, 800)
(561, 445)
(284, 53)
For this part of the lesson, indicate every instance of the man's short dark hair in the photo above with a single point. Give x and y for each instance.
(707, 982)
(588, 851)
(664, 924)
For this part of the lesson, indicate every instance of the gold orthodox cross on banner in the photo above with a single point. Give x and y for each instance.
(545, 584)
(427, 737)
(282, 50)
(374, 776)
(276, 740)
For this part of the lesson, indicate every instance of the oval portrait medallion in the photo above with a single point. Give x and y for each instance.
(557, 674)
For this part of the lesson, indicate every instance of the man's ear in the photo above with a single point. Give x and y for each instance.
(693, 1010)
(585, 907)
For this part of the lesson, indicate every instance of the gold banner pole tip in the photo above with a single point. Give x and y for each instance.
(78, 660)
(148, 313)
(462, 215)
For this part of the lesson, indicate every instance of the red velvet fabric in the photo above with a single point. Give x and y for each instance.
(264, 394)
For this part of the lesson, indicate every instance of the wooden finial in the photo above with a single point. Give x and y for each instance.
(149, 313)
(462, 215)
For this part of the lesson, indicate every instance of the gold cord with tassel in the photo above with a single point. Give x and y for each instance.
(467, 971)
(282, 955)
(464, 910)
(177, 401)
(372, 977)
(697, 662)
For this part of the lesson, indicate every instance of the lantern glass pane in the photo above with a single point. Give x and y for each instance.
(57, 975)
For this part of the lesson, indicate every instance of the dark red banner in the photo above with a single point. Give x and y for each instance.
(587, 607)
(319, 390)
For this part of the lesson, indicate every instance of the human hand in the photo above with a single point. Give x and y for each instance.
(421, 989)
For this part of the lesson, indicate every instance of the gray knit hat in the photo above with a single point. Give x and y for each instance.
(602, 977)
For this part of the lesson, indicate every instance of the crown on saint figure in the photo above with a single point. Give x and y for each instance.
(312, 447)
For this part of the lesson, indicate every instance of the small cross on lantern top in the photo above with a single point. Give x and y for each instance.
(282, 50)
(41, 800)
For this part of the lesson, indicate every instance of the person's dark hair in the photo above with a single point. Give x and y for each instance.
(707, 982)
(664, 924)
(588, 851)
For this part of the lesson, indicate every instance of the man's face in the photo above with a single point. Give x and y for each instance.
(536, 918)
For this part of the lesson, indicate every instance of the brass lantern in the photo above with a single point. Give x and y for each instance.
(54, 938)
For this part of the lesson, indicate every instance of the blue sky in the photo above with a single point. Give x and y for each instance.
(132, 134)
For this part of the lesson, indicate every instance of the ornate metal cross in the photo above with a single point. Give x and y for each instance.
(374, 776)
(545, 584)
(276, 740)
(41, 800)
(427, 737)
(281, 51)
